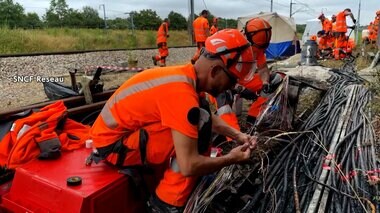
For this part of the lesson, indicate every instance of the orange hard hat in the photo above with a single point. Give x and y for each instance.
(234, 50)
(258, 32)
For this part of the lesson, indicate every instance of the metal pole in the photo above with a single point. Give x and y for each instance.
(271, 5)
(133, 24)
(358, 24)
(104, 15)
(291, 4)
(191, 20)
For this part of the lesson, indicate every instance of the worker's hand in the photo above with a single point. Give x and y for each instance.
(354, 20)
(352, 27)
(240, 154)
(243, 138)
(167, 36)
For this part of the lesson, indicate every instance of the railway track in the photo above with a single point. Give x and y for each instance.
(81, 51)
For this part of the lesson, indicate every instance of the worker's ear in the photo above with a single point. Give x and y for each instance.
(215, 69)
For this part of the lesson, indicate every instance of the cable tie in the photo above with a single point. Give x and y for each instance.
(353, 173)
(330, 157)
(325, 166)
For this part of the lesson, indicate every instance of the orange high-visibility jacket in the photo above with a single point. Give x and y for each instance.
(256, 83)
(156, 100)
(341, 25)
(42, 133)
(200, 27)
(162, 33)
(327, 25)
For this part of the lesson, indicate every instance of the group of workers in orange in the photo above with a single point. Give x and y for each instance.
(201, 30)
(373, 29)
(332, 39)
(159, 118)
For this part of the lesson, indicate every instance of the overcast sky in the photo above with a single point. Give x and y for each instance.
(307, 9)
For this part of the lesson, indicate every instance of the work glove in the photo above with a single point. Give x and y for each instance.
(352, 27)
(167, 36)
(354, 20)
(266, 88)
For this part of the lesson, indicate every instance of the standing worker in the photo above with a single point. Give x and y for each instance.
(374, 27)
(201, 32)
(341, 30)
(157, 119)
(214, 26)
(161, 41)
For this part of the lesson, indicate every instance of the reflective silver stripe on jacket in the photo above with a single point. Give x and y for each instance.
(226, 109)
(106, 113)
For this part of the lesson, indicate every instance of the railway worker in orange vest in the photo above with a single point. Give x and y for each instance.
(341, 30)
(157, 119)
(326, 24)
(201, 31)
(374, 28)
(214, 26)
(163, 51)
(324, 44)
(259, 32)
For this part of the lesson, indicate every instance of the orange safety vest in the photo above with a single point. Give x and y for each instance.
(322, 43)
(200, 26)
(213, 30)
(341, 25)
(154, 101)
(162, 33)
(42, 134)
(334, 26)
(327, 25)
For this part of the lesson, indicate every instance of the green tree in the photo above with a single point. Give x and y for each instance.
(73, 18)
(118, 23)
(32, 21)
(55, 15)
(11, 14)
(147, 20)
(91, 18)
(177, 21)
(300, 28)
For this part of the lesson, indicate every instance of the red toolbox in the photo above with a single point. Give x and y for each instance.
(41, 186)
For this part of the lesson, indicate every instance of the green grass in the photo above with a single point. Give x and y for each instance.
(66, 39)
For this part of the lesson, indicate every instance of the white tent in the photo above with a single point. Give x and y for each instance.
(284, 36)
(312, 28)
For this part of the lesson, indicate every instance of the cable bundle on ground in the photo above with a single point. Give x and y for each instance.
(328, 166)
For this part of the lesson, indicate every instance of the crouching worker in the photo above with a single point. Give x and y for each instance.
(156, 119)
(324, 45)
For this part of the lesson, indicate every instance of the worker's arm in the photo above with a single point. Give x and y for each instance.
(207, 32)
(264, 73)
(191, 163)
